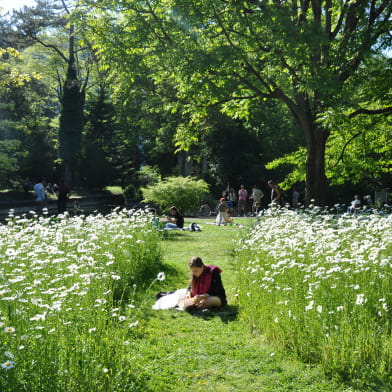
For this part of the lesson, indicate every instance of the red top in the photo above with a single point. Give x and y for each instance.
(203, 282)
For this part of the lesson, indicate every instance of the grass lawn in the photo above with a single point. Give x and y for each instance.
(211, 352)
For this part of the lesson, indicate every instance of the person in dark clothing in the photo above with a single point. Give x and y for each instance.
(176, 220)
(276, 194)
(205, 288)
(62, 197)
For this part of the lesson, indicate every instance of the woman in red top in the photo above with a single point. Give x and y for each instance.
(205, 289)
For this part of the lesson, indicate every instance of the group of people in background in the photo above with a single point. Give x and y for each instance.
(41, 190)
(357, 204)
(246, 203)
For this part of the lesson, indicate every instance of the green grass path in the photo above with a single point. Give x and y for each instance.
(178, 351)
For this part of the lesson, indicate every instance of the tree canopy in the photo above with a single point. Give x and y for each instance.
(238, 55)
(299, 87)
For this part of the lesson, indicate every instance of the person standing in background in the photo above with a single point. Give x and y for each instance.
(62, 196)
(221, 218)
(276, 196)
(295, 198)
(40, 195)
(242, 200)
(257, 195)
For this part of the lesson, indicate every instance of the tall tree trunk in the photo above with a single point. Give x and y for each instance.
(316, 139)
(71, 117)
(316, 180)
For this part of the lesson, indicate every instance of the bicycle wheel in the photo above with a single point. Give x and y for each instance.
(205, 210)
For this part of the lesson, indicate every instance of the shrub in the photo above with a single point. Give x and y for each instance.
(130, 192)
(183, 192)
(148, 175)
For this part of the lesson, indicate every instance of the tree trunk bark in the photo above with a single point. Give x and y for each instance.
(71, 116)
(316, 139)
(68, 174)
(316, 180)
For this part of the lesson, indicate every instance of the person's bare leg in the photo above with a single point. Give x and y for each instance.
(210, 302)
(186, 303)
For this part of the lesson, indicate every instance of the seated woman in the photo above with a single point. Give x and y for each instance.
(176, 220)
(206, 288)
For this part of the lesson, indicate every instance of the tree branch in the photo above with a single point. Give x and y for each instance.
(234, 98)
(385, 111)
(55, 48)
(154, 15)
(65, 7)
(368, 37)
(344, 148)
(339, 24)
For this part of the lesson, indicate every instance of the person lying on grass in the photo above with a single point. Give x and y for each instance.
(206, 288)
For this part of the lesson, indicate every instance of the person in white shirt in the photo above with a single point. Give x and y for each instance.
(40, 195)
(256, 197)
(355, 205)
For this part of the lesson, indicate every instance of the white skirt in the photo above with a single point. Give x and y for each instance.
(171, 300)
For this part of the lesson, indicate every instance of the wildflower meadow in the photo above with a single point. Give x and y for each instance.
(320, 286)
(67, 290)
(76, 295)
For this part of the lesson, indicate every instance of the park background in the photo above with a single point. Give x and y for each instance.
(136, 95)
(291, 92)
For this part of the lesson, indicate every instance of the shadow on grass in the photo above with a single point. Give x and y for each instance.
(178, 235)
(227, 314)
(173, 275)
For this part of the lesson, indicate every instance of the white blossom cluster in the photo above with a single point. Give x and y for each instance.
(309, 279)
(59, 273)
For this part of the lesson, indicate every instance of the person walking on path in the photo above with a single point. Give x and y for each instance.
(242, 200)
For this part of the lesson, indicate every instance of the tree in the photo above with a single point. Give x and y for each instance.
(22, 123)
(358, 149)
(227, 53)
(33, 25)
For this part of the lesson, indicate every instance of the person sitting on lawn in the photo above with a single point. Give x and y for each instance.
(205, 287)
(221, 218)
(176, 220)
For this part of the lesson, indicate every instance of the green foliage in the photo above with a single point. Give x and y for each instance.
(362, 152)
(238, 55)
(130, 192)
(148, 175)
(358, 149)
(183, 192)
(296, 162)
(9, 157)
(26, 144)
